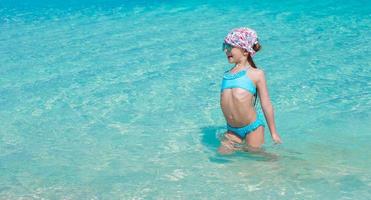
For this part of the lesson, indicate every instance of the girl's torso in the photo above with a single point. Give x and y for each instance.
(237, 97)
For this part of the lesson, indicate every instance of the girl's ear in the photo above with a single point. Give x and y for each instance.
(245, 53)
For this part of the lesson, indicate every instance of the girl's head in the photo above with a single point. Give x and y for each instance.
(240, 44)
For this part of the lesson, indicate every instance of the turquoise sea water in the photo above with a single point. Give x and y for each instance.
(120, 100)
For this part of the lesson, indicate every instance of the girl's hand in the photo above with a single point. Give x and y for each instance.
(276, 138)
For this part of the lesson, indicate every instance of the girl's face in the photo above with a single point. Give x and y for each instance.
(234, 54)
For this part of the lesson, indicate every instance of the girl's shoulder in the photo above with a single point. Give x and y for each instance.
(258, 70)
(257, 74)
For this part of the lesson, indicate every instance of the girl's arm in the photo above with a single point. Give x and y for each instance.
(267, 106)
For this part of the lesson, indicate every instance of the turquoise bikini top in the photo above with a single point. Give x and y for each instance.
(238, 80)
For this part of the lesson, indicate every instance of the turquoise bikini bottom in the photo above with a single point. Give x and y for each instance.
(243, 131)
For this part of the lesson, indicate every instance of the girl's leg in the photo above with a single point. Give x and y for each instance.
(228, 143)
(255, 139)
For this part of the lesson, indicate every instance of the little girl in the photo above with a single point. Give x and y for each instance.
(240, 87)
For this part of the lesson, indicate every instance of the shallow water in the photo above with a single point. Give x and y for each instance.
(120, 100)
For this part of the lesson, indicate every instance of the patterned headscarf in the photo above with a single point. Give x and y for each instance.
(244, 38)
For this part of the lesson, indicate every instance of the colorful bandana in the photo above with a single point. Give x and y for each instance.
(244, 38)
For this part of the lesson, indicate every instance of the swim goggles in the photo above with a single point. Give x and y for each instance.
(227, 47)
